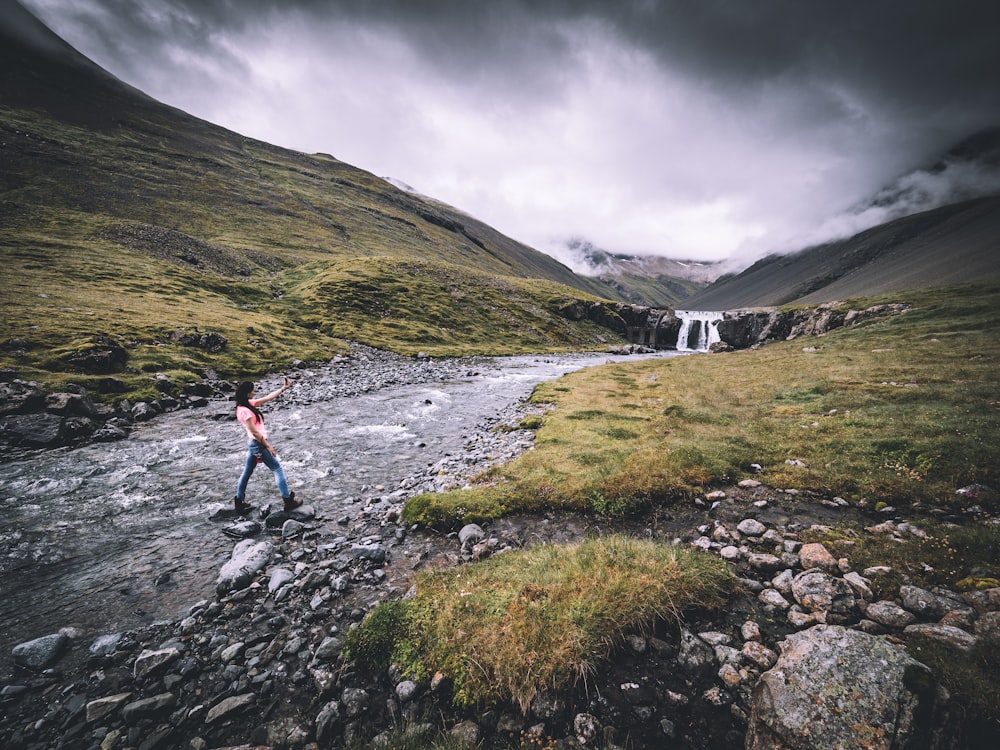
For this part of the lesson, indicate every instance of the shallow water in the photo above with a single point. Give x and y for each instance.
(110, 536)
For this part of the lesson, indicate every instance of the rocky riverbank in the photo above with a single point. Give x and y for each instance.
(260, 663)
(31, 418)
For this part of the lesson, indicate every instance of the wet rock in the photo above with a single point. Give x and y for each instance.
(32, 430)
(247, 560)
(279, 577)
(150, 661)
(102, 707)
(145, 708)
(41, 652)
(836, 687)
(229, 707)
(242, 529)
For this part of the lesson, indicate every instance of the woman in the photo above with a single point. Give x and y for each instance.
(259, 449)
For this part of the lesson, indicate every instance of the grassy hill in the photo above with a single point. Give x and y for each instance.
(126, 220)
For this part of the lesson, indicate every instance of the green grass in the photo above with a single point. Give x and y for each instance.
(537, 620)
(895, 411)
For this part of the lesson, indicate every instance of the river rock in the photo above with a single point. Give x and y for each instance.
(247, 560)
(32, 430)
(833, 687)
(229, 706)
(101, 707)
(279, 577)
(41, 652)
(148, 707)
(150, 660)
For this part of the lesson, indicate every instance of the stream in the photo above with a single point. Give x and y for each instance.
(111, 536)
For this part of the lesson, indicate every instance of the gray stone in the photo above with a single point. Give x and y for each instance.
(406, 691)
(228, 707)
(148, 707)
(279, 577)
(925, 604)
(815, 555)
(816, 591)
(833, 687)
(948, 634)
(773, 598)
(101, 707)
(149, 661)
(40, 652)
(470, 534)
(327, 721)
(751, 527)
(889, 614)
(247, 560)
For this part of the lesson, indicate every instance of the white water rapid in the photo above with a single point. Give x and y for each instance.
(699, 330)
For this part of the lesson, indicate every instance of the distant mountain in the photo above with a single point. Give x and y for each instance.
(935, 226)
(124, 218)
(640, 279)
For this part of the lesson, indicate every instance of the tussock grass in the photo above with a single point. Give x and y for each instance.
(898, 410)
(536, 620)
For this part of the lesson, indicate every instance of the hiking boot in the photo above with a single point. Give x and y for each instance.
(291, 503)
(241, 507)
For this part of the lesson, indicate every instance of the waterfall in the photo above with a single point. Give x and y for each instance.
(699, 330)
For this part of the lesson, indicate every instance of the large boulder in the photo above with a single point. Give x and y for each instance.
(834, 687)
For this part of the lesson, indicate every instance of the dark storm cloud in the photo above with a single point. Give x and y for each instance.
(693, 129)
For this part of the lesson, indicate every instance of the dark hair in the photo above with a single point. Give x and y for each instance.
(243, 399)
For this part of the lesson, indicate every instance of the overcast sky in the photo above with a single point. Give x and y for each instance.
(694, 129)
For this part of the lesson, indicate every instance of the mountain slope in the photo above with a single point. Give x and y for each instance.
(122, 217)
(948, 245)
(934, 226)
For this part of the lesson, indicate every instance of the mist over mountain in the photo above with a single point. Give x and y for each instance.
(641, 279)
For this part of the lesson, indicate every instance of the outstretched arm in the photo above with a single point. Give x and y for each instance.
(273, 394)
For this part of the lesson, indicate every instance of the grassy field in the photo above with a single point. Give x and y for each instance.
(895, 411)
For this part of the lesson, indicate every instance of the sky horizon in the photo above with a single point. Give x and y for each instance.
(713, 131)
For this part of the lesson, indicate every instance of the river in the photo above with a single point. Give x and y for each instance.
(111, 536)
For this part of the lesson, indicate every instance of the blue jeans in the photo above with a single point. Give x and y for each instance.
(255, 450)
